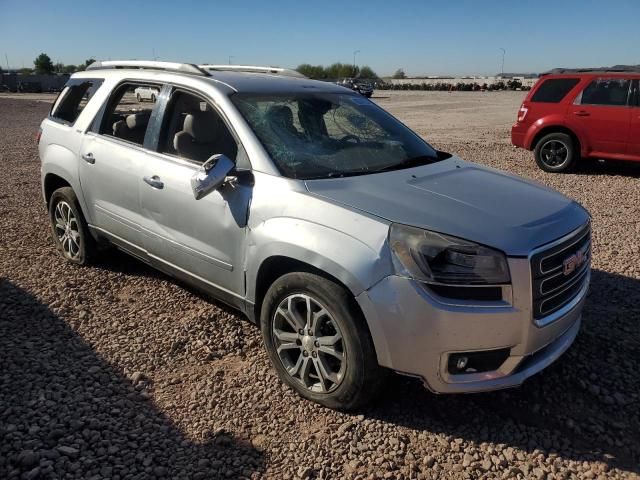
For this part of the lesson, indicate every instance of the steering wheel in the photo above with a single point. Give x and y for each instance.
(349, 138)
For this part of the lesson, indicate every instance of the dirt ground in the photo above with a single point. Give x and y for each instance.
(454, 117)
(117, 371)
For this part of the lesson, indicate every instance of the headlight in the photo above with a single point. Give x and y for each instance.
(432, 257)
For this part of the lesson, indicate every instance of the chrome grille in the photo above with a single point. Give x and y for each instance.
(560, 272)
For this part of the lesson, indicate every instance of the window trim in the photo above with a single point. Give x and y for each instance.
(173, 88)
(628, 102)
(96, 83)
(99, 119)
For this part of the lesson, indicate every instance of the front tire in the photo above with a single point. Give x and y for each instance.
(556, 152)
(139, 98)
(153, 98)
(318, 341)
(69, 229)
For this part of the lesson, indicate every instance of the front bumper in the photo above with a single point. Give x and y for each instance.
(415, 331)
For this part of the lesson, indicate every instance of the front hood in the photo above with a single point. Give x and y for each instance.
(461, 199)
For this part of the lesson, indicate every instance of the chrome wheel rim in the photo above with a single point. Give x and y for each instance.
(309, 343)
(67, 230)
(554, 153)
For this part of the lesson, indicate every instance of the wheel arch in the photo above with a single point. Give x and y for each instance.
(51, 183)
(556, 129)
(276, 266)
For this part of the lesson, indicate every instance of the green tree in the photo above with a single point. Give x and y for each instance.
(312, 71)
(83, 66)
(25, 71)
(43, 64)
(58, 67)
(69, 69)
(367, 72)
(399, 74)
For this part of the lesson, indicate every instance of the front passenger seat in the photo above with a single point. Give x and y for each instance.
(197, 140)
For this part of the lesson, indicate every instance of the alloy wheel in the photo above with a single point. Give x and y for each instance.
(67, 230)
(554, 153)
(309, 343)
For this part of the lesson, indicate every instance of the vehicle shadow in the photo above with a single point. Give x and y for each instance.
(584, 407)
(116, 261)
(64, 411)
(609, 167)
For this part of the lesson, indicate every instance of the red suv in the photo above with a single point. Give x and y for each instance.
(571, 114)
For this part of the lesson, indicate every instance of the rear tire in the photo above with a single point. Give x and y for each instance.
(153, 98)
(69, 229)
(556, 153)
(318, 341)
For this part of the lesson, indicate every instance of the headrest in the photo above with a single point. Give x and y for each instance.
(138, 120)
(201, 126)
(119, 128)
(280, 114)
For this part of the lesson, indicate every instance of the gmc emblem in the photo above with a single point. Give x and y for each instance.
(570, 264)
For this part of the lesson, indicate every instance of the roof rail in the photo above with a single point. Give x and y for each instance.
(600, 70)
(189, 68)
(254, 69)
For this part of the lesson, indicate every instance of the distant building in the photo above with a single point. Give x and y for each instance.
(33, 83)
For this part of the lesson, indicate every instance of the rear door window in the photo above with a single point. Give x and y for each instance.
(554, 90)
(72, 100)
(606, 91)
(127, 115)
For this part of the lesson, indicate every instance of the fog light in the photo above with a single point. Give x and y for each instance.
(476, 362)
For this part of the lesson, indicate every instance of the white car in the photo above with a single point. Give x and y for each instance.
(146, 93)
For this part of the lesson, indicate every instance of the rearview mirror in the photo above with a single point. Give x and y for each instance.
(211, 175)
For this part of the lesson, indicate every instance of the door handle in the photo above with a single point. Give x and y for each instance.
(154, 181)
(582, 113)
(89, 158)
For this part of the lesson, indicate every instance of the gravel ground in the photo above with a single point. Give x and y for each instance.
(116, 371)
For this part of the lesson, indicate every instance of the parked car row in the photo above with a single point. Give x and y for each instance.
(363, 87)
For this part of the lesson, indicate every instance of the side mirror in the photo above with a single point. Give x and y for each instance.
(211, 175)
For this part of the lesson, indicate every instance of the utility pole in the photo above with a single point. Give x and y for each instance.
(355, 52)
(7, 60)
(503, 54)
(230, 57)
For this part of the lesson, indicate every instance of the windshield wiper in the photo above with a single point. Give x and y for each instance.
(408, 163)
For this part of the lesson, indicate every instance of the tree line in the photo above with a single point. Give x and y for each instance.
(43, 65)
(336, 70)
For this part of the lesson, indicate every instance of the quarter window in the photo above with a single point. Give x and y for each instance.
(72, 100)
(127, 114)
(554, 90)
(192, 129)
(606, 91)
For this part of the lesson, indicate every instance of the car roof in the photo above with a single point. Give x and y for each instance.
(228, 81)
(249, 82)
(566, 72)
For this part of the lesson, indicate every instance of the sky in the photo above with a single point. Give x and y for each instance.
(421, 37)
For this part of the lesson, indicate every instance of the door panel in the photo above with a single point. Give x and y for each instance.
(634, 131)
(205, 237)
(109, 173)
(601, 111)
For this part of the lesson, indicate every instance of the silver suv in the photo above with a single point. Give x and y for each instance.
(355, 246)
